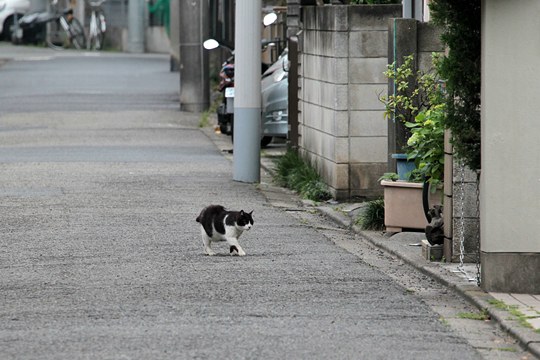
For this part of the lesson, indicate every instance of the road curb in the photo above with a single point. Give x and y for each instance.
(527, 338)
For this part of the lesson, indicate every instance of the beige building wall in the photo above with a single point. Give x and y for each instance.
(510, 180)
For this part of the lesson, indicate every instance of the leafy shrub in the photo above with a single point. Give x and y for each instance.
(460, 22)
(419, 104)
(426, 145)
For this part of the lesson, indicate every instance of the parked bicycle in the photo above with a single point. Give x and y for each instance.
(61, 28)
(97, 26)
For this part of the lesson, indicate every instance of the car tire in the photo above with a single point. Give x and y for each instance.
(6, 29)
(265, 141)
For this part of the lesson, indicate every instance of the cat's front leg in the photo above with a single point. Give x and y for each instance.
(209, 251)
(235, 247)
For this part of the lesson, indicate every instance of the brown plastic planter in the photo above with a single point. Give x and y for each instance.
(403, 205)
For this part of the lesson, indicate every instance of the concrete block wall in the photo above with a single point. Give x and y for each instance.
(465, 220)
(342, 128)
(461, 215)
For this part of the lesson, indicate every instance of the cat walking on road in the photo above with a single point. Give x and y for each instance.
(219, 224)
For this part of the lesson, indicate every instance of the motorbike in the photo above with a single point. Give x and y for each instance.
(33, 27)
(225, 110)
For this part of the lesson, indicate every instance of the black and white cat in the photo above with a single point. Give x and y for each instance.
(218, 224)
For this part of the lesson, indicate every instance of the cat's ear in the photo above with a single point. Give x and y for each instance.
(251, 212)
(241, 212)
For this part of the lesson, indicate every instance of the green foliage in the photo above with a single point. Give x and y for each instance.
(419, 104)
(373, 2)
(315, 190)
(426, 145)
(404, 104)
(513, 310)
(372, 216)
(204, 120)
(498, 304)
(389, 176)
(460, 22)
(483, 315)
(294, 173)
(284, 166)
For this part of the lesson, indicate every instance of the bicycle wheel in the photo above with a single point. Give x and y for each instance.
(57, 35)
(76, 34)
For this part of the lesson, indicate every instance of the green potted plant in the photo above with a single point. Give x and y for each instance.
(402, 106)
(419, 105)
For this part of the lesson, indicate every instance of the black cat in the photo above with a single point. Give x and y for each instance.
(218, 224)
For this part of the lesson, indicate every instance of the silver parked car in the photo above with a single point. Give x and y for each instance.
(274, 89)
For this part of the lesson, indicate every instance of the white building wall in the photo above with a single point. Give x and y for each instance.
(510, 180)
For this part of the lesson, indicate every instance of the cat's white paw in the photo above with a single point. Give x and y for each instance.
(237, 250)
(210, 252)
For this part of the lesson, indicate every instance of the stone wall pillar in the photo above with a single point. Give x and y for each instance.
(194, 84)
(402, 42)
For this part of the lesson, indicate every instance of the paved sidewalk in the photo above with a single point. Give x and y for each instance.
(518, 314)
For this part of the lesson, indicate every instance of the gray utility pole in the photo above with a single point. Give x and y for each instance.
(413, 9)
(136, 26)
(247, 97)
(193, 60)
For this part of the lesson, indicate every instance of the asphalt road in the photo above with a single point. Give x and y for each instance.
(100, 255)
(69, 81)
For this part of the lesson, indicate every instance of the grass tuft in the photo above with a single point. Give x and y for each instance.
(483, 315)
(513, 310)
(204, 120)
(294, 173)
(372, 216)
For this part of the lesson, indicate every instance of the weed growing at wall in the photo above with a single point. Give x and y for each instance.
(372, 216)
(294, 173)
(483, 315)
